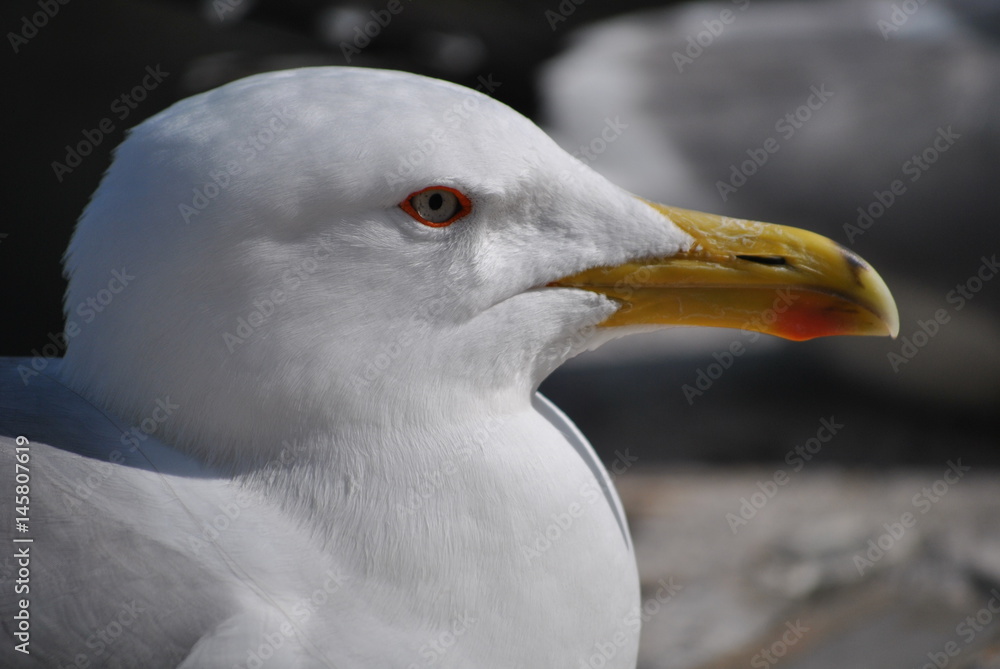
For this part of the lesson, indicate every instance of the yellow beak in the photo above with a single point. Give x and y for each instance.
(748, 275)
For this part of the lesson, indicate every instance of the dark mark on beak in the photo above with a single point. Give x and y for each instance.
(855, 264)
(765, 260)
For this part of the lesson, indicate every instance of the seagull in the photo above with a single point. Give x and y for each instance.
(296, 421)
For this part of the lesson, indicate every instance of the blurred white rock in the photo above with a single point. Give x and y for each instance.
(875, 126)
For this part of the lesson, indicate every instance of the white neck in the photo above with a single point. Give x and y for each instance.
(463, 510)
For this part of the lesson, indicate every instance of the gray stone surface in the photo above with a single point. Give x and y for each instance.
(799, 585)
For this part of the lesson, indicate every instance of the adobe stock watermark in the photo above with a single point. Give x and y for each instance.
(706, 377)
(427, 484)
(787, 126)
(560, 523)
(606, 650)
(31, 24)
(253, 146)
(434, 650)
(698, 43)
(83, 489)
(138, 433)
(268, 303)
(912, 168)
(121, 108)
(771, 655)
(212, 528)
(416, 328)
(364, 34)
(910, 345)
(453, 119)
(967, 631)
(299, 613)
(102, 641)
(922, 501)
(87, 309)
(610, 131)
(899, 16)
(796, 458)
(562, 12)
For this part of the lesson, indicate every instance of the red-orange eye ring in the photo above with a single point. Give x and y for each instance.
(436, 206)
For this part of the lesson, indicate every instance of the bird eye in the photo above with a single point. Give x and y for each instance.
(437, 206)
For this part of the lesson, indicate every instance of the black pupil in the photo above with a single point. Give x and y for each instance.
(436, 201)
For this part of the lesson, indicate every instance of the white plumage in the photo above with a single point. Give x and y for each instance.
(296, 424)
(366, 436)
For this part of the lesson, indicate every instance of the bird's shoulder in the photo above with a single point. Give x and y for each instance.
(137, 554)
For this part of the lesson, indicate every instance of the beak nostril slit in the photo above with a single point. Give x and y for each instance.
(765, 260)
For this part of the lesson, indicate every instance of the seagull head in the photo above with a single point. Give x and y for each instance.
(306, 248)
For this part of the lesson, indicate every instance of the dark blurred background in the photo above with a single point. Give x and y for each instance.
(910, 94)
